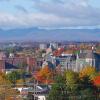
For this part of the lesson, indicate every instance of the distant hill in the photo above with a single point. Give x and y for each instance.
(36, 34)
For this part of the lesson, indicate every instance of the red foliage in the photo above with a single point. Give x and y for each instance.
(96, 81)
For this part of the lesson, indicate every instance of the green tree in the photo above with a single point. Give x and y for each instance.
(87, 91)
(13, 77)
(87, 94)
(71, 81)
(22, 75)
(58, 91)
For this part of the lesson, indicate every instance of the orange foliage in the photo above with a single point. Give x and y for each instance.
(44, 75)
(87, 71)
(96, 81)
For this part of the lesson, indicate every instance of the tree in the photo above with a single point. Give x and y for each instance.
(88, 71)
(13, 77)
(71, 80)
(58, 90)
(23, 75)
(45, 75)
(96, 81)
(87, 75)
(87, 90)
(70, 86)
(20, 82)
(6, 90)
(87, 94)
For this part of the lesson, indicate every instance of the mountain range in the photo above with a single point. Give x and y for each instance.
(40, 34)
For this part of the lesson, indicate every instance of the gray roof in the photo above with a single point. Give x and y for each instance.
(89, 55)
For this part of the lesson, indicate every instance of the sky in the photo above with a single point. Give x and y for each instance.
(49, 14)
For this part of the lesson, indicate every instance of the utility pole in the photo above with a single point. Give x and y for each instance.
(35, 89)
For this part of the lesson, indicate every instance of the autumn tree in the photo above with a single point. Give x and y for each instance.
(96, 81)
(87, 90)
(87, 87)
(88, 71)
(6, 90)
(44, 75)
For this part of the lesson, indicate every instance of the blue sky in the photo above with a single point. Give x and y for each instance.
(49, 13)
(95, 3)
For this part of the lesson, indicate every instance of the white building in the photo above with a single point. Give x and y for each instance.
(43, 46)
(41, 97)
(54, 45)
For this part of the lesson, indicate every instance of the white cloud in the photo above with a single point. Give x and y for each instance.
(78, 12)
(29, 20)
(42, 20)
(62, 13)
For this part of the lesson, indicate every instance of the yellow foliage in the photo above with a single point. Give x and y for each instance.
(5, 88)
(87, 71)
(3, 80)
(20, 83)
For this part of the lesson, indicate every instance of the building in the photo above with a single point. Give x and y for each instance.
(8, 64)
(66, 62)
(2, 55)
(77, 62)
(32, 64)
(87, 59)
(54, 45)
(43, 46)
